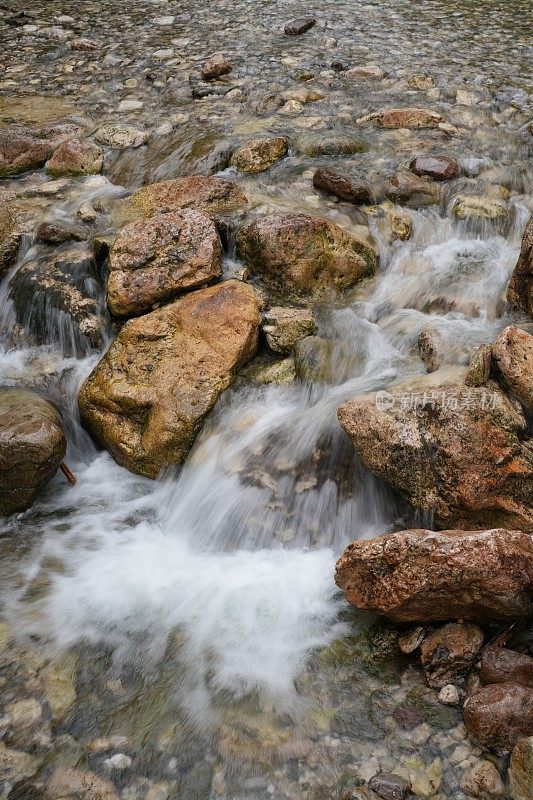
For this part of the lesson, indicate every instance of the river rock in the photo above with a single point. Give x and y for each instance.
(75, 157)
(121, 137)
(520, 290)
(440, 168)
(420, 575)
(502, 665)
(284, 327)
(389, 786)
(299, 26)
(9, 234)
(152, 261)
(342, 186)
(147, 398)
(482, 780)
(257, 155)
(405, 118)
(408, 189)
(302, 256)
(430, 347)
(470, 463)
(202, 192)
(480, 207)
(32, 445)
(330, 143)
(21, 150)
(478, 370)
(512, 357)
(16, 765)
(499, 715)
(449, 652)
(66, 783)
(57, 296)
(58, 231)
(215, 67)
(521, 770)
(320, 360)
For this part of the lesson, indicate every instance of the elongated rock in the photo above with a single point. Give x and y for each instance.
(405, 118)
(460, 453)
(148, 396)
(520, 290)
(512, 355)
(303, 256)
(420, 575)
(152, 261)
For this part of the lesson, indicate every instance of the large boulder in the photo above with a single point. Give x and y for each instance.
(419, 575)
(9, 234)
(21, 150)
(457, 452)
(302, 256)
(257, 155)
(499, 715)
(75, 157)
(148, 396)
(152, 261)
(520, 289)
(512, 355)
(57, 297)
(211, 195)
(32, 445)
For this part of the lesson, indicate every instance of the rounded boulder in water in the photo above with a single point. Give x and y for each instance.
(32, 446)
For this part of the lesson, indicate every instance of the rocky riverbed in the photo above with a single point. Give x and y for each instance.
(266, 297)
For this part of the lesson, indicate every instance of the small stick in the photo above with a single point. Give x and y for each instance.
(71, 478)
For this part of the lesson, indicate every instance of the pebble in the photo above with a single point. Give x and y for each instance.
(449, 695)
(119, 762)
(299, 26)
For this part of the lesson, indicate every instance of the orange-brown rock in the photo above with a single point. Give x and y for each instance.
(75, 157)
(301, 256)
(512, 356)
(520, 289)
(152, 261)
(21, 150)
(440, 168)
(148, 396)
(419, 575)
(406, 118)
(204, 193)
(499, 715)
(460, 453)
(447, 653)
(502, 665)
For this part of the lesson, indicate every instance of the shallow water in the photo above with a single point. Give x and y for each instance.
(210, 639)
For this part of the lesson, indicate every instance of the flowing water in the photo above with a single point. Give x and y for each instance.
(211, 644)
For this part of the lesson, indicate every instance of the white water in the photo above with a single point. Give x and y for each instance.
(232, 561)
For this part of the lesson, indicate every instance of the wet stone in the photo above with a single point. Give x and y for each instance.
(389, 786)
(440, 168)
(21, 150)
(342, 186)
(57, 231)
(216, 66)
(299, 26)
(478, 370)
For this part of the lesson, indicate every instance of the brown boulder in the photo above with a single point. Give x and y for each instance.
(204, 193)
(501, 665)
(147, 398)
(342, 186)
(408, 189)
(520, 289)
(257, 155)
(32, 445)
(75, 157)
(449, 652)
(9, 234)
(216, 66)
(304, 256)
(152, 261)
(440, 168)
(406, 118)
(499, 715)
(453, 451)
(420, 575)
(21, 150)
(512, 356)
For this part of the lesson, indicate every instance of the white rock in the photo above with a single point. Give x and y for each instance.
(119, 762)
(130, 105)
(449, 695)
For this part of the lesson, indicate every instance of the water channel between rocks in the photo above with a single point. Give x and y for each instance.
(198, 636)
